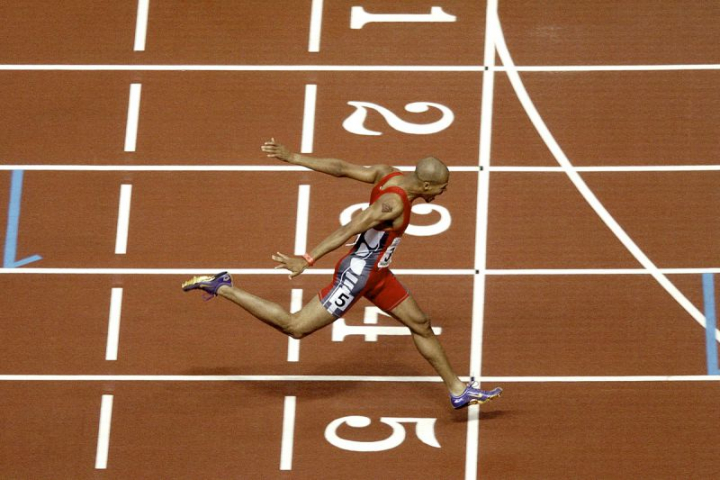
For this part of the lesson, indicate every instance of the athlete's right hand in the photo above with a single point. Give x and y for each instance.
(296, 265)
(277, 150)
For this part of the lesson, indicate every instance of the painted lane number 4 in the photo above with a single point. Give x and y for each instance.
(359, 17)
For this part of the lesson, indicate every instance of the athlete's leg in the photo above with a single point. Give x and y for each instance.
(410, 314)
(312, 317)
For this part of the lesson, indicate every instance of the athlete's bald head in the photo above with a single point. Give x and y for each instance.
(432, 170)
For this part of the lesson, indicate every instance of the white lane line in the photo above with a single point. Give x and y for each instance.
(351, 378)
(288, 168)
(629, 168)
(472, 442)
(288, 434)
(133, 117)
(191, 168)
(123, 223)
(243, 68)
(113, 336)
(201, 271)
(595, 271)
(301, 224)
(350, 68)
(582, 187)
(481, 226)
(103, 443)
(483, 199)
(308, 130)
(141, 25)
(600, 271)
(326, 271)
(296, 304)
(316, 13)
(609, 379)
(452, 169)
(608, 68)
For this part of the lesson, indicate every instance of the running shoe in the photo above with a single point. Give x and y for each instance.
(208, 283)
(473, 395)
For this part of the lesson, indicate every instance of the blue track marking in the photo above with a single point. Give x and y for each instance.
(13, 224)
(711, 324)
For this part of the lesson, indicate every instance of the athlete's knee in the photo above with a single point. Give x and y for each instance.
(421, 324)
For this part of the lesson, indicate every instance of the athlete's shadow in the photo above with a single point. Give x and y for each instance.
(308, 389)
(495, 414)
(307, 386)
(461, 416)
(317, 390)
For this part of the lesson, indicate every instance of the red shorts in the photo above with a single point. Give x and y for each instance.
(382, 288)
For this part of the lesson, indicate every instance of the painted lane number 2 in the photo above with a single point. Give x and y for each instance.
(355, 123)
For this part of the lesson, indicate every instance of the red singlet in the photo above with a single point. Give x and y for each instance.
(364, 271)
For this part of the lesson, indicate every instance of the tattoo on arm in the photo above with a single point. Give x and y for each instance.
(386, 208)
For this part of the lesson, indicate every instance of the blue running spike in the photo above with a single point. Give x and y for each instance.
(474, 396)
(208, 283)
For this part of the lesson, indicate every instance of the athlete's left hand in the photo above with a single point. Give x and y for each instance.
(277, 150)
(296, 265)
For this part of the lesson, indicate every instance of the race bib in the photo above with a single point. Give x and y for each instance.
(387, 258)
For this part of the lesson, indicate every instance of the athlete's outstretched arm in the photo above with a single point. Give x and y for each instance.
(330, 166)
(388, 207)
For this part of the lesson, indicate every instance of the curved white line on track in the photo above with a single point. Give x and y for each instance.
(582, 187)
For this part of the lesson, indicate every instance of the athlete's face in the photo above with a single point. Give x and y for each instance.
(433, 190)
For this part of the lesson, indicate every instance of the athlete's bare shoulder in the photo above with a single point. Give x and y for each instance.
(381, 171)
(391, 202)
(371, 174)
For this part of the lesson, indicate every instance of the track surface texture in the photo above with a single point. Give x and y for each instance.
(573, 261)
